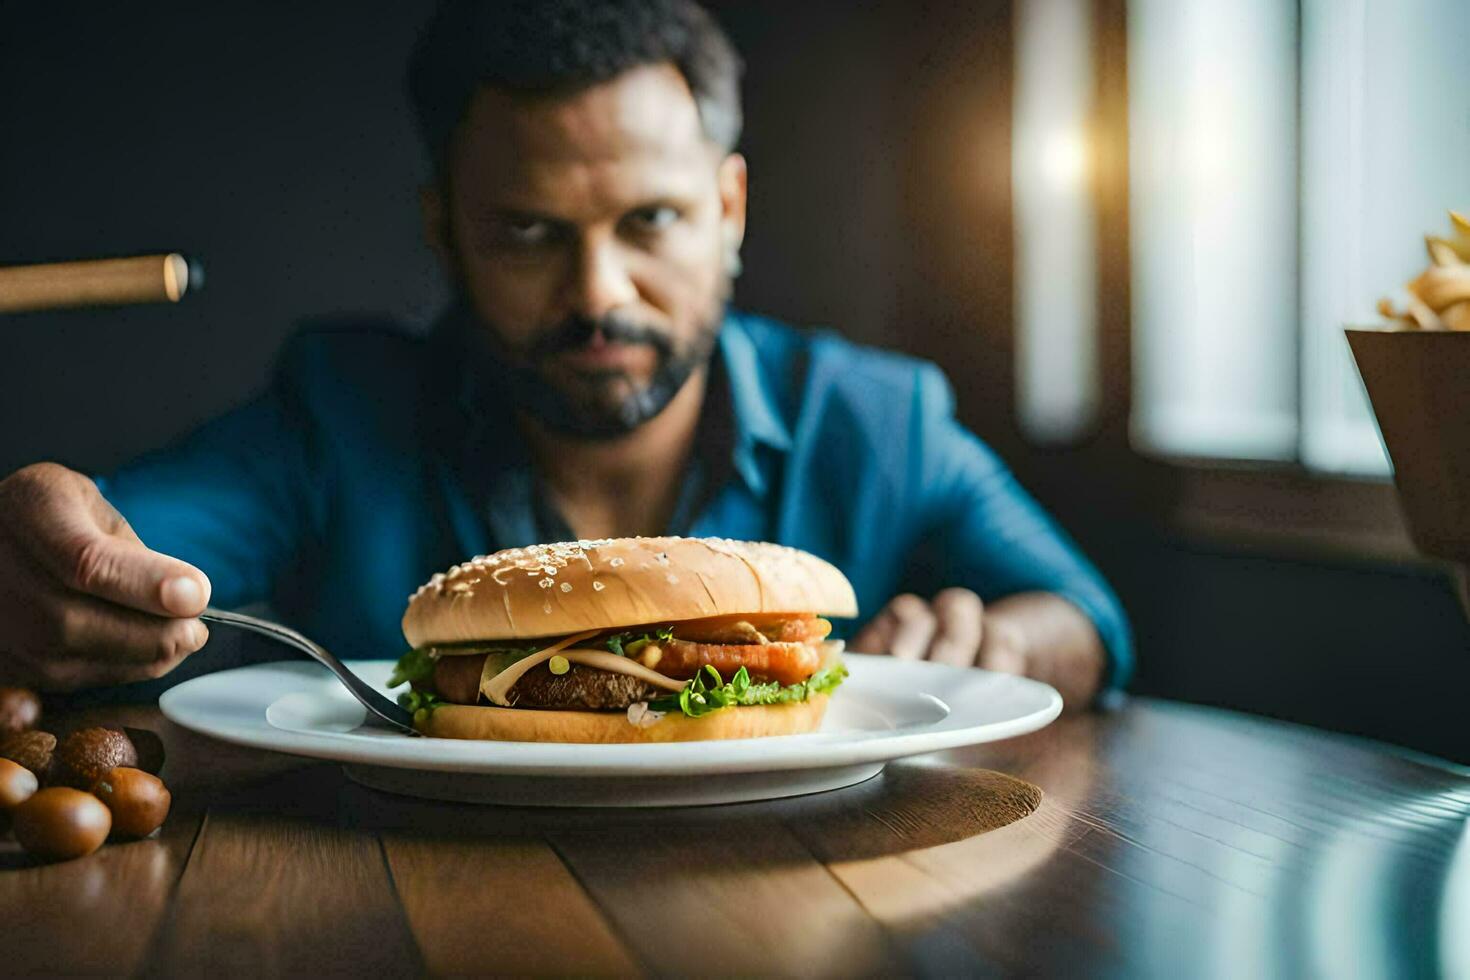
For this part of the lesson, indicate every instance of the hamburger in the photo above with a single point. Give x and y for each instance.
(625, 640)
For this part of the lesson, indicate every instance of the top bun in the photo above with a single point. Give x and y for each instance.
(554, 589)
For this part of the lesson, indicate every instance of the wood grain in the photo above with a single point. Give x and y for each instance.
(264, 896)
(750, 901)
(504, 907)
(93, 915)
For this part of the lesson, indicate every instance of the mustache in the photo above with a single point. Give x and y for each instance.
(577, 331)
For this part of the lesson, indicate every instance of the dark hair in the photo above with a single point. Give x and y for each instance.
(549, 46)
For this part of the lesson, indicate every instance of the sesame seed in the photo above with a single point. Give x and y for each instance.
(598, 586)
(566, 586)
(545, 583)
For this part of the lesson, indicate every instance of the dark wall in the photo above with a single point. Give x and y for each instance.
(270, 139)
(274, 142)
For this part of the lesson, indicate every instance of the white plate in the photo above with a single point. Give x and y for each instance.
(886, 710)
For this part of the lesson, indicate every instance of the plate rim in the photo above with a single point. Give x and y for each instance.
(806, 751)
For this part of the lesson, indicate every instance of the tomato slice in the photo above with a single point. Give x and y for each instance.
(788, 663)
(771, 628)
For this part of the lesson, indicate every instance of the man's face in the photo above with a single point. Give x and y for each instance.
(589, 233)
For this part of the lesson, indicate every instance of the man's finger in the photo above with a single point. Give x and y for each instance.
(875, 637)
(71, 530)
(90, 629)
(1004, 651)
(124, 572)
(960, 626)
(64, 673)
(914, 626)
(129, 574)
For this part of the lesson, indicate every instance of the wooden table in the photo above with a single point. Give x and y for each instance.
(1172, 841)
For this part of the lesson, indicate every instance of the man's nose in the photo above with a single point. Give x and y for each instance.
(601, 280)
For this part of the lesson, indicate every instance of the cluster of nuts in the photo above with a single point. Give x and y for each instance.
(63, 800)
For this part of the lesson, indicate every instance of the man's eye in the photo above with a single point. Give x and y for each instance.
(654, 218)
(527, 232)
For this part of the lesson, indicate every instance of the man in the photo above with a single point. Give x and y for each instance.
(588, 206)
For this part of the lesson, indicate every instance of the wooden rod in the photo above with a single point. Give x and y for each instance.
(96, 282)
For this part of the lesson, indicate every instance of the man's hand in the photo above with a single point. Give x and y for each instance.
(1035, 634)
(82, 601)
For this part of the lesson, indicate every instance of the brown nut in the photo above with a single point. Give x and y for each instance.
(61, 823)
(17, 784)
(149, 747)
(87, 754)
(138, 800)
(20, 709)
(31, 749)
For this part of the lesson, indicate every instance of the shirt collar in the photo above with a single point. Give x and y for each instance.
(758, 420)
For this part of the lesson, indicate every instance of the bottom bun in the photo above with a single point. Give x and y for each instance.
(539, 725)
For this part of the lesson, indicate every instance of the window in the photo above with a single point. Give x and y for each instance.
(1386, 152)
(1286, 158)
(1057, 371)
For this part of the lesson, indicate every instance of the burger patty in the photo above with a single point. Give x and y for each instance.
(580, 687)
(457, 679)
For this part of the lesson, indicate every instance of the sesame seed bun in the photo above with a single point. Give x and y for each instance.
(559, 589)
(533, 725)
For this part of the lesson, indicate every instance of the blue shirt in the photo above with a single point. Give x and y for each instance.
(375, 459)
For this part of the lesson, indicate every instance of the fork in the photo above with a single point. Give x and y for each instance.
(382, 713)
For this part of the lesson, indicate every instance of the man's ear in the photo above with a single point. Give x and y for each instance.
(434, 210)
(732, 180)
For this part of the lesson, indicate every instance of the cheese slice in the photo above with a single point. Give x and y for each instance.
(495, 686)
(600, 659)
(615, 664)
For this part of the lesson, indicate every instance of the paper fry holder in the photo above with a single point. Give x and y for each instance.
(1419, 383)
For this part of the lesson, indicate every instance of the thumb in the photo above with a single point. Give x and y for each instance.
(88, 546)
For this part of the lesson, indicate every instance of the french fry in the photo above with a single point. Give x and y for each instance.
(1456, 317)
(1422, 316)
(1439, 286)
(1439, 298)
(1461, 240)
(1443, 252)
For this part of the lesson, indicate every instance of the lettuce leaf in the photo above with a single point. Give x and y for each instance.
(414, 667)
(628, 644)
(708, 691)
(415, 701)
(420, 704)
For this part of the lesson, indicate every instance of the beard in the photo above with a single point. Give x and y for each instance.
(602, 404)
